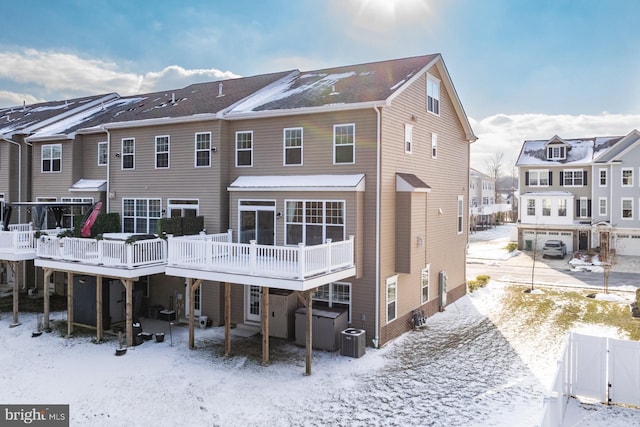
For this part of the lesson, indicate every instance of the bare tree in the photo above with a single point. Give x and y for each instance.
(494, 165)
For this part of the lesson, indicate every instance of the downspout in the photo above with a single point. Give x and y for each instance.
(107, 198)
(376, 339)
(19, 176)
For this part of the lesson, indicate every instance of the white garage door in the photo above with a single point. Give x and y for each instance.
(628, 244)
(543, 236)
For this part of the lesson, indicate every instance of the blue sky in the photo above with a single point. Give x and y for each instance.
(523, 69)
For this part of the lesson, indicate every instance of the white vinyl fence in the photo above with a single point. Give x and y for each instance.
(599, 368)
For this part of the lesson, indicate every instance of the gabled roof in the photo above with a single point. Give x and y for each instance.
(580, 151)
(477, 174)
(194, 102)
(26, 119)
(618, 151)
(557, 140)
(373, 84)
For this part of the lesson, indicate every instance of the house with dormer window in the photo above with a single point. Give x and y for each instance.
(571, 188)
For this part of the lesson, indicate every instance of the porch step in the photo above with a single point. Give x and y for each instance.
(245, 330)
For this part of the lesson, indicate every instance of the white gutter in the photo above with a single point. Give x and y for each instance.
(376, 339)
(306, 110)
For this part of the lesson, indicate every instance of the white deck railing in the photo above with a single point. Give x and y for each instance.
(20, 238)
(218, 253)
(110, 253)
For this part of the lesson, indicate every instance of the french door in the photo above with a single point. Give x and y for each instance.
(256, 222)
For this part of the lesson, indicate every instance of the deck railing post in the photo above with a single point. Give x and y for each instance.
(100, 251)
(328, 262)
(208, 251)
(129, 254)
(352, 249)
(229, 236)
(301, 260)
(252, 256)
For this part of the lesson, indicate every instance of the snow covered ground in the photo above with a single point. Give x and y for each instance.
(470, 366)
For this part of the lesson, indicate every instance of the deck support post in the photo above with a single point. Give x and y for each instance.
(16, 296)
(47, 301)
(227, 319)
(309, 334)
(265, 324)
(192, 287)
(128, 287)
(69, 303)
(99, 325)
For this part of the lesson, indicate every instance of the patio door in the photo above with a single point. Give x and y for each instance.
(196, 302)
(256, 222)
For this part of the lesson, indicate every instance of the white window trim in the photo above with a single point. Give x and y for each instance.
(135, 212)
(197, 150)
(460, 215)
(408, 138)
(436, 82)
(547, 208)
(622, 171)
(162, 152)
(434, 145)
(104, 147)
(324, 218)
(51, 159)
(237, 151)
(174, 204)
(71, 214)
(584, 205)
(422, 286)
(391, 281)
(622, 200)
(285, 148)
(606, 177)
(573, 171)
(330, 298)
(566, 204)
(602, 212)
(528, 205)
(560, 148)
(540, 173)
(353, 144)
(132, 154)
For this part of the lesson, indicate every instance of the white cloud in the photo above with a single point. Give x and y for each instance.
(505, 133)
(56, 75)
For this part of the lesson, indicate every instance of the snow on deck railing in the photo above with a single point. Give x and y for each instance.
(218, 253)
(110, 253)
(14, 241)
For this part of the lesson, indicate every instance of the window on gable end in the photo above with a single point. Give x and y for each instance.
(433, 95)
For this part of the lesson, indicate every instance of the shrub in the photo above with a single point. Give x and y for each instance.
(480, 282)
(638, 297)
(512, 246)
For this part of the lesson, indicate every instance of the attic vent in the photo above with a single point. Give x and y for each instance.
(333, 90)
(24, 106)
(220, 90)
(173, 97)
(66, 104)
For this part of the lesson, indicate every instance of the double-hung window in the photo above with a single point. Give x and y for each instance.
(603, 177)
(292, 146)
(103, 156)
(68, 215)
(203, 149)
(433, 95)
(244, 149)
(52, 158)
(627, 177)
(408, 138)
(531, 207)
(538, 178)
(424, 285)
(602, 206)
(344, 144)
(141, 215)
(574, 178)
(460, 214)
(546, 207)
(392, 298)
(562, 207)
(556, 153)
(162, 152)
(128, 156)
(627, 208)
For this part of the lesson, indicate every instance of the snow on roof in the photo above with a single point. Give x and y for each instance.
(89, 185)
(299, 182)
(580, 151)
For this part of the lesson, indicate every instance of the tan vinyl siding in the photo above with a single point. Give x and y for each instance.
(447, 175)
(181, 181)
(88, 168)
(53, 184)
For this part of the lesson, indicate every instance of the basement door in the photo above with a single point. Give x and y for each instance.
(256, 222)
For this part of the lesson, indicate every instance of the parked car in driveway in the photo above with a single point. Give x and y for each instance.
(554, 248)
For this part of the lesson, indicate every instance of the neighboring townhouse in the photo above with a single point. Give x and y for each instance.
(482, 196)
(616, 197)
(570, 189)
(368, 163)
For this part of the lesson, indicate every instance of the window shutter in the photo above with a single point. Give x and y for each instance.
(589, 207)
(549, 153)
(550, 178)
(526, 178)
(584, 178)
(561, 178)
(577, 212)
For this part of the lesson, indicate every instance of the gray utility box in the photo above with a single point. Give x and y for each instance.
(282, 309)
(327, 324)
(354, 342)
